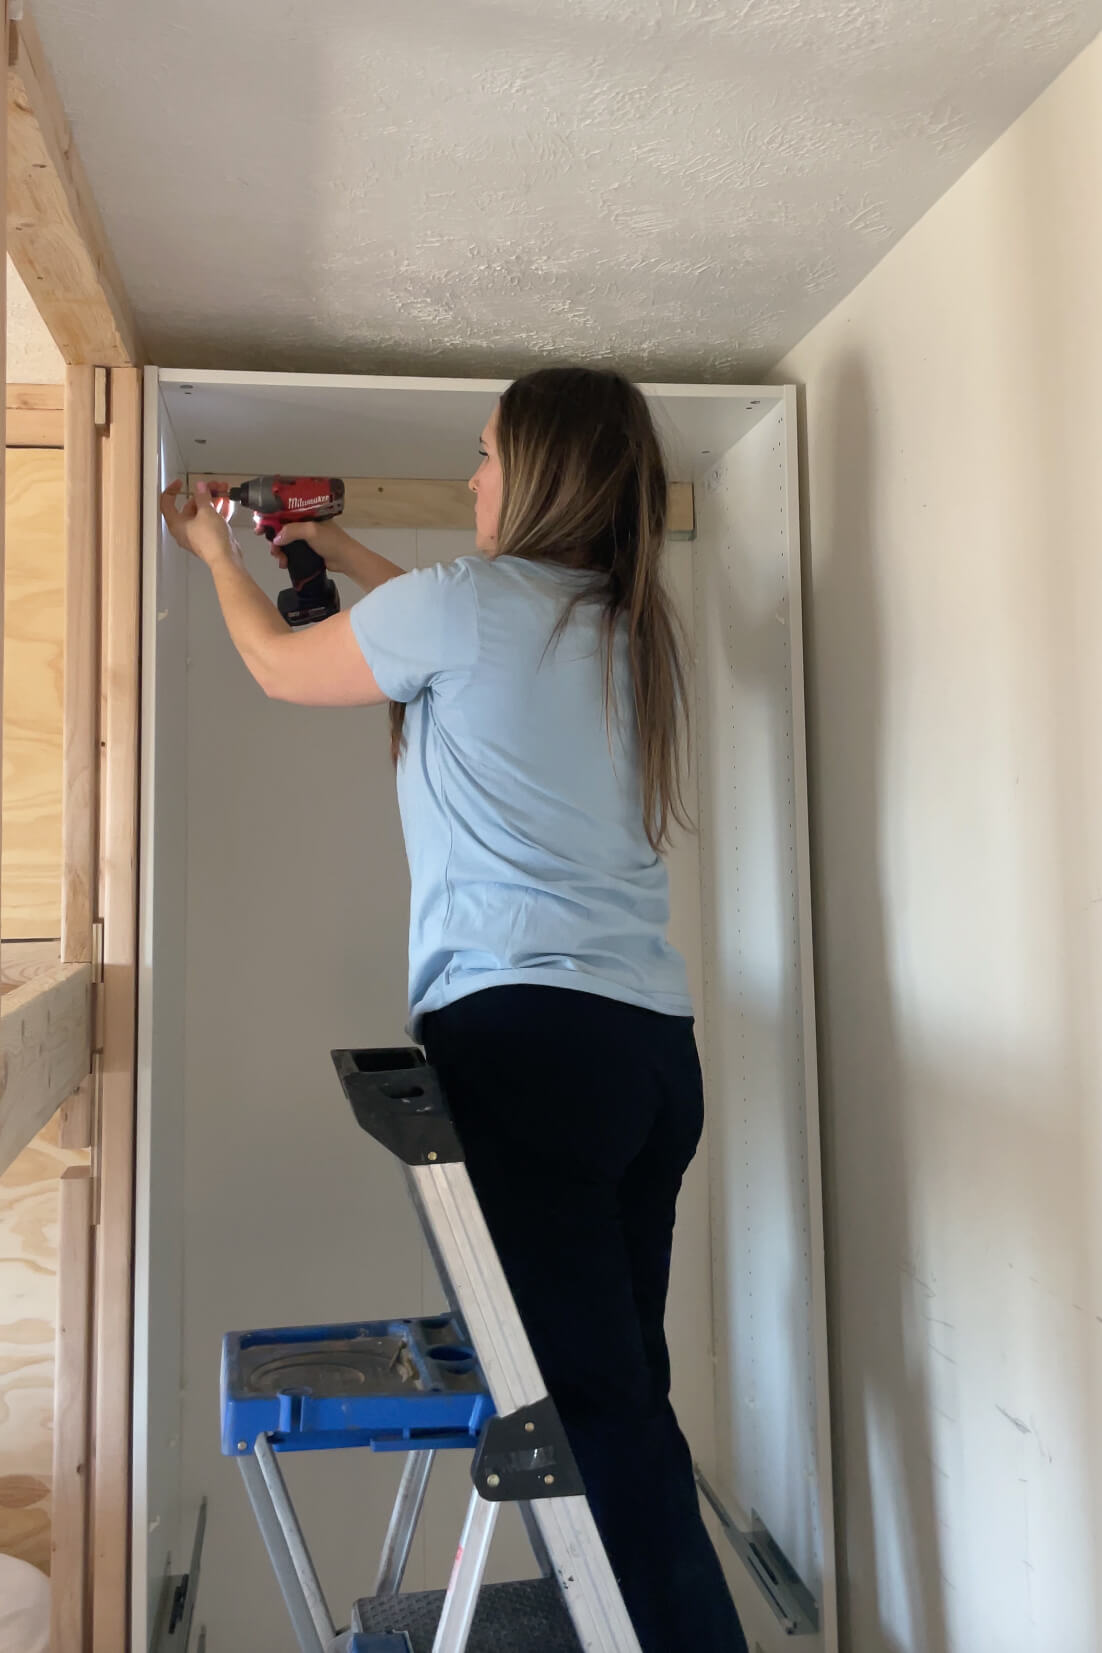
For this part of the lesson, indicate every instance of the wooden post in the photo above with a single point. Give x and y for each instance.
(72, 1412)
(56, 239)
(3, 432)
(119, 910)
(79, 801)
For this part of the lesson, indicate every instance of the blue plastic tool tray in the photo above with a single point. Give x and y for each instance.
(387, 1384)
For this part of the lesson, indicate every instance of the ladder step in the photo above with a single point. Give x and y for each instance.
(527, 1615)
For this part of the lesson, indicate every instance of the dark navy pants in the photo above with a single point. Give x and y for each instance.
(579, 1116)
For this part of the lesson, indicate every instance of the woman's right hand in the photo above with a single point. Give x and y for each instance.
(331, 543)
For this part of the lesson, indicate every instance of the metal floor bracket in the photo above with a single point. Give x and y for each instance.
(788, 1596)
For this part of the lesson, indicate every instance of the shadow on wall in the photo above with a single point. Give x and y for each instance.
(883, 1452)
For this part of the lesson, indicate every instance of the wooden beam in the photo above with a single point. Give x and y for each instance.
(45, 1048)
(69, 1540)
(55, 237)
(682, 512)
(389, 502)
(81, 720)
(119, 908)
(396, 502)
(3, 473)
(36, 416)
(36, 398)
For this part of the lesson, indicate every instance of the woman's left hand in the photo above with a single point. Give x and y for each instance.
(198, 525)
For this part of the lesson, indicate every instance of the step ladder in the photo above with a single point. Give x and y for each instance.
(464, 1380)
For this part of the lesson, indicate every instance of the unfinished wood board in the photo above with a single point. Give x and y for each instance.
(44, 1051)
(35, 416)
(35, 398)
(81, 719)
(55, 237)
(24, 961)
(4, 143)
(34, 623)
(118, 904)
(29, 429)
(28, 1303)
(69, 1542)
(372, 502)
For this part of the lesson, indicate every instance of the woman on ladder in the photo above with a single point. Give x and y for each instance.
(537, 702)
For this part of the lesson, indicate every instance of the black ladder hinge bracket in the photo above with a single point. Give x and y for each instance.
(525, 1456)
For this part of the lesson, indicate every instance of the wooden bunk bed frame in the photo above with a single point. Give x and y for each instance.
(67, 1024)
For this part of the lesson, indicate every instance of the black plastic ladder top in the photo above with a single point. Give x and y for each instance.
(397, 1098)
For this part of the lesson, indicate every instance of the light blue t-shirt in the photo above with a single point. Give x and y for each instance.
(521, 808)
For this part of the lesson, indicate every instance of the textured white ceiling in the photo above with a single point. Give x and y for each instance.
(683, 187)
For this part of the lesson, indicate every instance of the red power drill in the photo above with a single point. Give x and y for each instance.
(278, 500)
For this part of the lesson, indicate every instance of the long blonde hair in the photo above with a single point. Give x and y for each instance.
(584, 485)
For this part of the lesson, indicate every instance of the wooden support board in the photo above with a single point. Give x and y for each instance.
(118, 905)
(55, 237)
(44, 1051)
(4, 146)
(396, 502)
(79, 799)
(36, 416)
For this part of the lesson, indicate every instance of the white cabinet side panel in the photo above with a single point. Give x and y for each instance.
(296, 944)
(158, 1236)
(772, 1447)
(689, 1311)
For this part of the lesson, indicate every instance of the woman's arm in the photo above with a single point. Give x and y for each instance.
(320, 665)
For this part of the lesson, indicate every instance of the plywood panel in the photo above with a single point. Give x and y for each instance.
(72, 1411)
(28, 1300)
(33, 689)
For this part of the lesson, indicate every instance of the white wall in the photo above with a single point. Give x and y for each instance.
(296, 942)
(954, 447)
